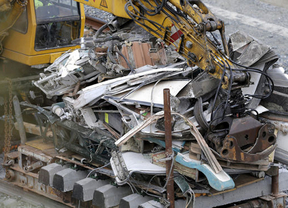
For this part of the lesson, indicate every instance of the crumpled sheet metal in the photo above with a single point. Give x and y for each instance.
(194, 131)
(251, 53)
(85, 95)
(134, 162)
(154, 93)
(128, 96)
(280, 78)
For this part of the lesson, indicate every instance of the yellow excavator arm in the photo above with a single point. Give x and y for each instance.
(182, 23)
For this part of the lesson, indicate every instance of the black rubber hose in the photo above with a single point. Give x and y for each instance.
(127, 62)
(101, 29)
(109, 53)
(199, 116)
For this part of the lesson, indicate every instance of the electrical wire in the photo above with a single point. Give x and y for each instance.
(229, 88)
(245, 69)
(192, 198)
(126, 60)
(99, 31)
(170, 171)
(135, 18)
(156, 10)
(95, 170)
(131, 187)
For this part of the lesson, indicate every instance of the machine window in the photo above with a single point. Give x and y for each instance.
(55, 9)
(21, 25)
(58, 23)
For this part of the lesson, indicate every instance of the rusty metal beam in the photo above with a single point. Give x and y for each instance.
(275, 183)
(94, 22)
(168, 148)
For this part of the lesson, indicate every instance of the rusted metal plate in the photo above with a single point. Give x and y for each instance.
(35, 153)
(95, 23)
(232, 151)
(12, 155)
(260, 165)
(245, 130)
(266, 138)
(137, 53)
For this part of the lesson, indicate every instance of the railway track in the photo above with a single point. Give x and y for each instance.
(94, 22)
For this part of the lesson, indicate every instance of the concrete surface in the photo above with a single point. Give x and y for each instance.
(265, 20)
(15, 197)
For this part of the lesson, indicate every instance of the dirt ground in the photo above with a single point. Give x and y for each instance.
(246, 15)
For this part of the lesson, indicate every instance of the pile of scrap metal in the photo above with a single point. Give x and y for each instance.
(108, 107)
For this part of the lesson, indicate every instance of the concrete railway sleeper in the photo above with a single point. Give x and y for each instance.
(65, 181)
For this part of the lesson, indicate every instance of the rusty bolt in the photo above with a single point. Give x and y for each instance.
(10, 175)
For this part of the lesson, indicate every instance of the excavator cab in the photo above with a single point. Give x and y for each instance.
(44, 31)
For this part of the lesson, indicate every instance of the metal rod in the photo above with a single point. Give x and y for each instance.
(19, 118)
(118, 105)
(275, 183)
(168, 148)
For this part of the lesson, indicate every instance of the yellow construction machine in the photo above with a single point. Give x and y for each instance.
(182, 23)
(37, 32)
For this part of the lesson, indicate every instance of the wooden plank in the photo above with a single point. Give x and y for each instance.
(33, 129)
(40, 144)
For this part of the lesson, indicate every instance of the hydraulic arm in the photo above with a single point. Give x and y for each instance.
(183, 24)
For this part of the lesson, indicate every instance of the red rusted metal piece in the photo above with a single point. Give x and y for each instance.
(232, 151)
(248, 141)
(275, 183)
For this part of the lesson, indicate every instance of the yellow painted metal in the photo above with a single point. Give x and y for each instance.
(2, 2)
(115, 7)
(14, 14)
(21, 47)
(193, 45)
(4, 5)
(33, 60)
